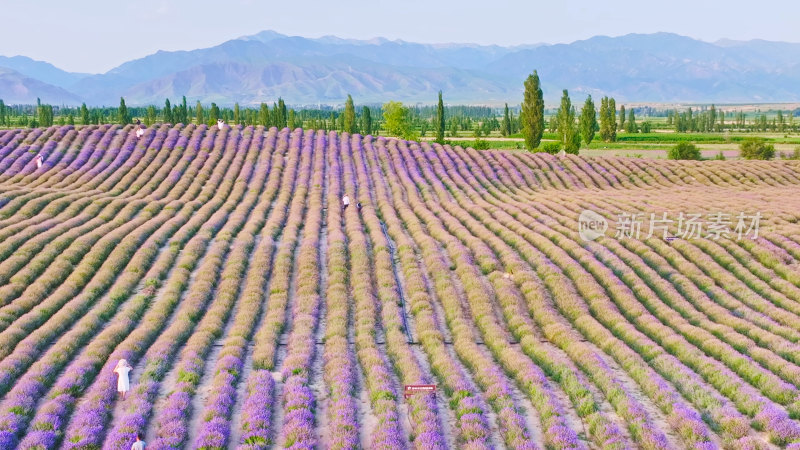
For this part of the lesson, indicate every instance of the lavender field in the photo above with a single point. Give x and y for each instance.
(257, 312)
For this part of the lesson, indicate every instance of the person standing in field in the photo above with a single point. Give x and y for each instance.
(345, 202)
(139, 444)
(123, 383)
(39, 161)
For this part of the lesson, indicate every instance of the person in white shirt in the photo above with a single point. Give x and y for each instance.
(345, 202)
(139, 444)
(139, 132)
(123, 382)
(220, 124)
(39, 161)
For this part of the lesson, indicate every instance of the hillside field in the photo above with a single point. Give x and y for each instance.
(257, 312)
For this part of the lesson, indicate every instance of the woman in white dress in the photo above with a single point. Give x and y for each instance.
(123, 383)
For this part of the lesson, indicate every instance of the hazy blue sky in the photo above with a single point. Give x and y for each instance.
(95, 35)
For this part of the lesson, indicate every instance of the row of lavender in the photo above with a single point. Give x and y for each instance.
(154, 249)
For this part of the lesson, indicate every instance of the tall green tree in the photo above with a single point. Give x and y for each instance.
(588, 121)
(274, 115)
(263, 115)
(712, 118)
(567, 132)
(608, 120)
(184, 111)
(281, 115)
(349, 115)
(621, 117)
(45, 113)
(532, 115)
(122, 112)
(2, 112)
(366, 120)
(515, 125)
(630, 126)
(150, 117)
(199, 114)
(397, 121)
(168, 118)
(237, 118)
(506, 127)
(440, 120)
(291, 120)
(612, 112)
(85, 120)
(213, 114)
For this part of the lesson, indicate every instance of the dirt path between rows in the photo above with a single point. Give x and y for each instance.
(317, 381)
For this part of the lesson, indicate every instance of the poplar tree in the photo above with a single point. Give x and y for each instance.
(167, 111)
(213, 115)
(236, 115)
(588, 121)
(291, 119)
(440, 120)
(568, 134)
(150, 117)
(45, 113)
(506, 128)
(631, 125)
(263, 115)
(514, 123)
(84, 114)
(349, 116)
(612, 112)
(184, 111)
(280, 114)
(532, 115)
(2, 112)
(712, 116)
(274, 115)
(199, 115)
(608, 121)
(122, 112)
(621, 117)
(366, 120)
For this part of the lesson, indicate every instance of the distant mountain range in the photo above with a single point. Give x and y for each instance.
(660, 67)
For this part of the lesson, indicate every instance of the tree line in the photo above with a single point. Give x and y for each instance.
(569, 131)
(572, 127)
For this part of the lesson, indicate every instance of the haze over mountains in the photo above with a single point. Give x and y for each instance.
(658, 67)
